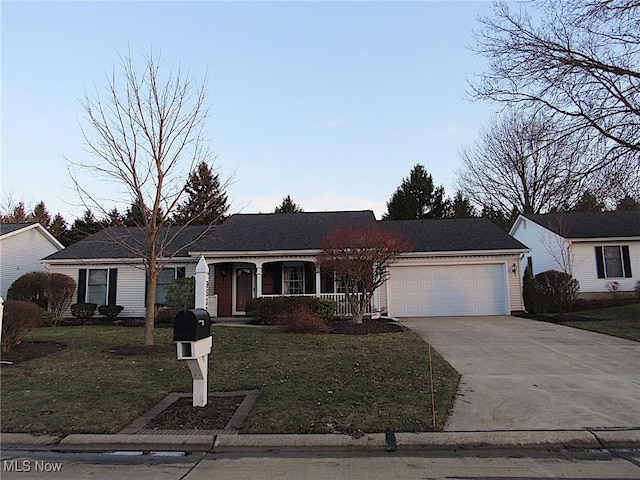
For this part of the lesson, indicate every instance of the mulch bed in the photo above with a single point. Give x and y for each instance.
(182, 415)
(557, 318)
(368, 327)
(25, 351)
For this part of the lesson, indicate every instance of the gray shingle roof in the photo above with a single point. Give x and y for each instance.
(591, 224)
(279, 231)
(6, 228)
(451, 235)
(112, 242)
(297, 231)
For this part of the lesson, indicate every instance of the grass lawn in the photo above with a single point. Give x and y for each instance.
(308, 383)
(622, 321)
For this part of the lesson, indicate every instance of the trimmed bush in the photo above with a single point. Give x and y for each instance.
(110, 311)
(530, 294)
(60, 290)
(558, 290)
(301, 319)
(30, 287)
(17, 319)
(269, 310)
(83, 311)
(181, 293)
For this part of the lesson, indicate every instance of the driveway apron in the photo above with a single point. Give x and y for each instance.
(520, 374)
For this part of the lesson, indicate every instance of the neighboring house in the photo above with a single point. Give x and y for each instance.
(22, 246)
(456, 267)
(595, 248)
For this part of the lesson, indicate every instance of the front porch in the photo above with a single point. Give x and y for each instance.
(231, 283)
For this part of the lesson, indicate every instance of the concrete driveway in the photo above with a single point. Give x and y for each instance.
(520, 374)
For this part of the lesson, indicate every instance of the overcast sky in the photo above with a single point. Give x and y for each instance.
(332, 103)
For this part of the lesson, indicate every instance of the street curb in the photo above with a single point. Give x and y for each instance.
(234, 443)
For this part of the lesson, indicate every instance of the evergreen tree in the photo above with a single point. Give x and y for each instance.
(627, 204)
(588, 203)
(416, 198)
(205, 194)
(41, 215)
(84, 226)
(461, 207)
(18, 214)
(59, 230)
(288, 206)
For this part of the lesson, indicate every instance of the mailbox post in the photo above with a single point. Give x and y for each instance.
(192, 334)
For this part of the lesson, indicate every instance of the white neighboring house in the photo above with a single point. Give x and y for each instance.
(22, 246)
(595, 248)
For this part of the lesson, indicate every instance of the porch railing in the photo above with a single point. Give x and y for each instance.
(343, 307)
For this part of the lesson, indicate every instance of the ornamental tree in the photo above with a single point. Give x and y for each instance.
(360, 258)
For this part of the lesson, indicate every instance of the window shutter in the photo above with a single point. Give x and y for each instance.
(626, 261)
(181, 272)
(113, 281)
(82, 285)
(599, 262)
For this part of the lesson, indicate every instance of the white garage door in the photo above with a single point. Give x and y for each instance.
(417, 291)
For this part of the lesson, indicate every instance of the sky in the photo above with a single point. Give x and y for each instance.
(332, 103)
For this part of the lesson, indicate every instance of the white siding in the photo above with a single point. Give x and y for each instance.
(548, 250)
(130, 289)
(586, 273)
(21, 253)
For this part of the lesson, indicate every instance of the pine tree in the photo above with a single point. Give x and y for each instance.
(59, 230)
(288, 206)
(205, 194)
(417, 198)
(461, 207)
(41, 215)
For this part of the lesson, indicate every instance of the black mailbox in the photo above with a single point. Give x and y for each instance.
(191, 325)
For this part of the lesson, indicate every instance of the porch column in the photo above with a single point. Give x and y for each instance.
(202, 280)
(258, 280)
(318, 281)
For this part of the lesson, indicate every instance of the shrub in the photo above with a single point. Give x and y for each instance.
(530, 293)
(300, 319)
(110, 311)
(612, 288)
(17, 319)
(83, 310)
(60, 290)
(637, 289)
(30, 287)
(558, 290)
(165, 315)
(181, 293)
(268, 310)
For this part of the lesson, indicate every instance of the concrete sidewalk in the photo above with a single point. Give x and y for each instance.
(550, 440)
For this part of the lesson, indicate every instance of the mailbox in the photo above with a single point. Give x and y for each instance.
(191, 325)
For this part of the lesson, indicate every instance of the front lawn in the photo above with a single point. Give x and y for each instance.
(621, 321)
(308, 383)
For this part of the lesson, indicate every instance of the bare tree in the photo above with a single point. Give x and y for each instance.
(145, 137)
(521, 163)
(576, 60)
(360, 258)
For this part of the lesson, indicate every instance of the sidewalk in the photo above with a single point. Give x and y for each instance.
(519, 440)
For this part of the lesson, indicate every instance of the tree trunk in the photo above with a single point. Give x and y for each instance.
(149, 318)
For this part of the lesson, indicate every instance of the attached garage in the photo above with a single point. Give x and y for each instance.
(448, 290)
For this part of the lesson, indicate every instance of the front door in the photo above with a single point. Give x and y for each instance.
(244, 288)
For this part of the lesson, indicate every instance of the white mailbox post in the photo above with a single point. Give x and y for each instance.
(191, 332)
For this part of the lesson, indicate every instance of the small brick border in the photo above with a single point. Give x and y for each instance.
(232, 427)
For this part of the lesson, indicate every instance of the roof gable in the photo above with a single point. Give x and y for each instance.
(587, 225)
(8, 230)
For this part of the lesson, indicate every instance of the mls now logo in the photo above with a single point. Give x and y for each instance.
(18, 466)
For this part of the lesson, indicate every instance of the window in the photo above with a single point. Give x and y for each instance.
(613, 261)
(97, 286)
(293, 276)
(166, 277)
